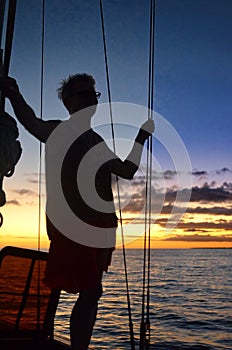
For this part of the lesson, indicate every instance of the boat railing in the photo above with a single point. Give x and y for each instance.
(27, 305)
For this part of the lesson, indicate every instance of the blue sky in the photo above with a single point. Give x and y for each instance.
(193, 75)
(193, 54)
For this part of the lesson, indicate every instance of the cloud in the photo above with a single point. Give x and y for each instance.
(137, 200)
(206, 193)
(211, 211)
(200, 238)
(13, 202)
(199, 173)
(156, 175)
(216, 210)
(33, 181)
(35, 177)
(169, 174)
(34, 174)
(26, 192)
(163, 201)
(209, 194)
(223, 171)
(202, 225)
(227, 185)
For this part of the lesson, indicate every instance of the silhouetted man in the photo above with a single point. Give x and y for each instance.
(72, 266)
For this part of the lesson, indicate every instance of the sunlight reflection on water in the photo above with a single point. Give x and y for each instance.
(190, 304)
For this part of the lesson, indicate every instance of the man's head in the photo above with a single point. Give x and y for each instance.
(78, 92)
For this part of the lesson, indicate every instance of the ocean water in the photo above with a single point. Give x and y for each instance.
(190, 301)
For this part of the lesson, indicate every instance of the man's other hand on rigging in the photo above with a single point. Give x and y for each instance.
(9, 87)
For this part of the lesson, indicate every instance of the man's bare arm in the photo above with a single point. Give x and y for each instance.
(24, 113)
(127, 168)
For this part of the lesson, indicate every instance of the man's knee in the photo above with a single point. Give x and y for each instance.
(92, 295)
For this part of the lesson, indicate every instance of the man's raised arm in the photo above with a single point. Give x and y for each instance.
(127, 168)
(24, 113)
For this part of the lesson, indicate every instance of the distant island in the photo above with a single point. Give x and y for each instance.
(211, 248)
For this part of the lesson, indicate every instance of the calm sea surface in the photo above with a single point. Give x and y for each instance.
(190, 305)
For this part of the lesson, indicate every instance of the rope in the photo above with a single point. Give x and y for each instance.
(41, 113)
(40, 155)
(8, 43)
(148, 328)
(118, 192)
(145, 325)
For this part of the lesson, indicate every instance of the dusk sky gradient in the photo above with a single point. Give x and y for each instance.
(193, 87)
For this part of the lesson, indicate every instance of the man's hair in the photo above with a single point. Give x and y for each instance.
(67, 86)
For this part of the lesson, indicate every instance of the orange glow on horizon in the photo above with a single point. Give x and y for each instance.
(32, 243)
(20, 228)
(162, 244)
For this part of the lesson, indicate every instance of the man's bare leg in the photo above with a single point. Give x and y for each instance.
(83, 318)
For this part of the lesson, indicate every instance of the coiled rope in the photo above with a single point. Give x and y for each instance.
(10, 150)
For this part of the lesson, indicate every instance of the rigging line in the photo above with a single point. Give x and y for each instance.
(8, 43)
(41, 114)
(2, 12)
(148, 328)
(146, 187)
(40, 157)
(142, 324)
(145, 326)
(5, 65)
(118, 192)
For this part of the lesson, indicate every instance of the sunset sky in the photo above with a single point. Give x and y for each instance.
(193, 89)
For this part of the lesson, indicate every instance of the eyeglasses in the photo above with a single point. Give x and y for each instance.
(97, 94)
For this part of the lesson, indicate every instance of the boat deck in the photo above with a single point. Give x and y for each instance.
(19, 296)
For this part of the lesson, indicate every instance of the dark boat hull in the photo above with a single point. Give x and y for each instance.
(31, 344)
